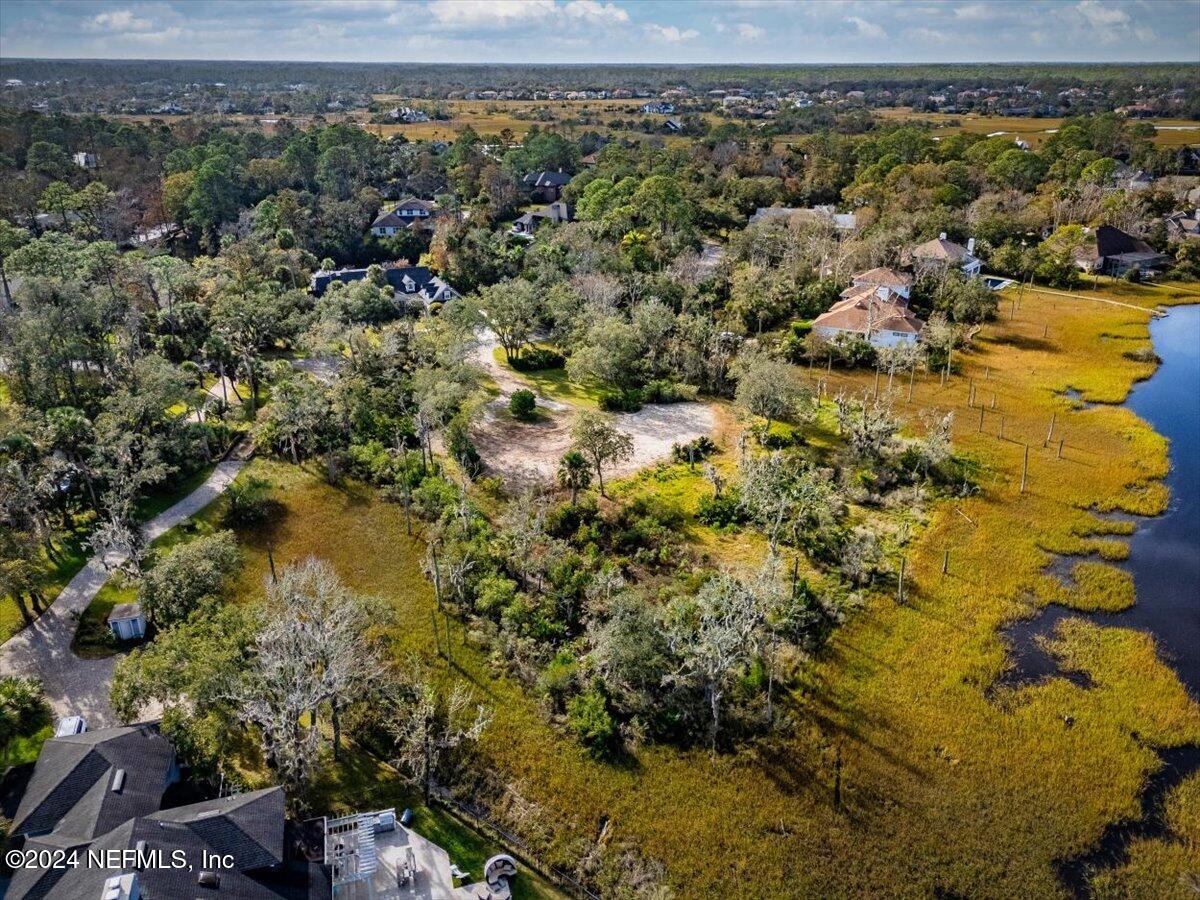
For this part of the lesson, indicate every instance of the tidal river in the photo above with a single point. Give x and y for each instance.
(1164, 552)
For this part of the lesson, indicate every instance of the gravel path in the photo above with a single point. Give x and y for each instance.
(77, 686)
(526, 454)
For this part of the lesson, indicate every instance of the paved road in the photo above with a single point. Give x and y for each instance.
(77, 686)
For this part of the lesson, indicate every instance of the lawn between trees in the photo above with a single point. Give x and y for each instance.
(902, 772)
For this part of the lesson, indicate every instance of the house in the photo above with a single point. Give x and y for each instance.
(672, 125)
(879, 315)
(408, 115)
(86, 160)
(824, 214)
(99, 794)
(658, 109)
(1126, 178)
(553, 214)
(546, 186)
(86, 784)
(98, 797)
(881, 276)
(943, 253)
(127, 622)
(1183, 224)
(371, 854)
(409, 283)
(401, 216)
(588, 161)
(1114, 253)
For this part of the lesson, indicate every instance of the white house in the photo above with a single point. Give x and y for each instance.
(402, 215)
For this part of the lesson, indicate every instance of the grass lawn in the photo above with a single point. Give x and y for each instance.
(555, 384)
(945, 787)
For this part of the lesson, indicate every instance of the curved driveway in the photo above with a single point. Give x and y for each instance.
(75, 686)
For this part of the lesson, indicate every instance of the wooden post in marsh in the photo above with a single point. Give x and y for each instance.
(987, 371)
(993, 401)
(1046, 330)
(1001, 434)
(271, 561)
(945, 562)
(900, 584)
(837, 778)
(829, 362)
(1050, 433)
(1060, 448)
(981, 412)
(876, 397)
(970, 393)
(1025, 470)
(912, 374)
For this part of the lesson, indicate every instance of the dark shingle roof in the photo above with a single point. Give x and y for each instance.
(249, 827)
(547, 179)
(70, 792)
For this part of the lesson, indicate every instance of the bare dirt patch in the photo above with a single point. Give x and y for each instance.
(527, 454)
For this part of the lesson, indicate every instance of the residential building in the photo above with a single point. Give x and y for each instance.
(899, 282)
(546, 186)
(1113, 252)
(86, 160)
(100, 795)
(943, 253)
(401, 216)
(375, 855)
(878, 315)
(658, 109)
(673, 125)
(824, 214)
(553, 214)
(1183, 224)
(410, 283)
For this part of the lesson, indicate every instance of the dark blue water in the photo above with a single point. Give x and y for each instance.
(1164, 552)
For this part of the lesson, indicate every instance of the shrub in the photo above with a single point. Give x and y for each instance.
(629, 400)
(536, 359)
(248, 501)
(22, 707)
(663, 391)
(522, 404)
(558, 678)
(694, 451)
(593, 724)
(720, 512)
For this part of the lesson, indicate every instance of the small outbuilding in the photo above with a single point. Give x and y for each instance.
(127, 622)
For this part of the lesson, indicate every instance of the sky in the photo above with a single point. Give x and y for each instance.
(618, 31)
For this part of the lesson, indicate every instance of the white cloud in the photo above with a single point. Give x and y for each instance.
(928, 35)
(1101, 15)
(594, 13)
(671, 34)
(866, 29)
(973, 12)
(490, 13)
(118, 20)
(166, 36)
(749, 32)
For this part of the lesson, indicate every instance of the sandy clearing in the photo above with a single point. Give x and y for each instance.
(527, 454)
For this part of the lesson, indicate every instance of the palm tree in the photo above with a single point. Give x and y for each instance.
(574, 472)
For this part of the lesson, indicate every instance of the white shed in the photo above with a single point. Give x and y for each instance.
(127, 622)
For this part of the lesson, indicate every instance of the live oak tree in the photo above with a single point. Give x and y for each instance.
(190, 574)
(768, 387)
(511, 309)
(600, 443)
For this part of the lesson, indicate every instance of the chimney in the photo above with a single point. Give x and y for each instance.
(971, 246)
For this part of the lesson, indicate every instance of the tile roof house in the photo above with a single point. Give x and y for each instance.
(879, 315)
(941, 252)
(409, 282)
(546, 186)
(881, 276)
(554, 214)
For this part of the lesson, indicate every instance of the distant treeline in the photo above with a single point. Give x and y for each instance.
(438, 79)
